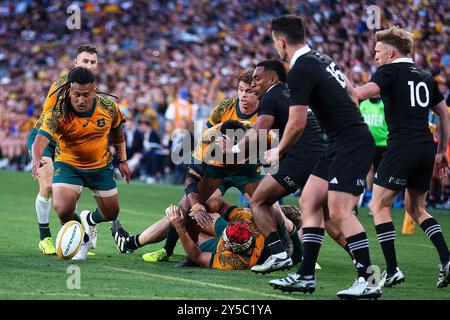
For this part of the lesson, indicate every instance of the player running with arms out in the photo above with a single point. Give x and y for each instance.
(408, 93)
(81, 122)
(87, 58)
(315, 81)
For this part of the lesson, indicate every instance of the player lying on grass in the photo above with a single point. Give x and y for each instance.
(233, 242)
(81, 123)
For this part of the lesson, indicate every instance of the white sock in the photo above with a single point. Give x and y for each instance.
(43, 209)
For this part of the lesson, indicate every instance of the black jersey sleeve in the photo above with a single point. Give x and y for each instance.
(437, 94)
(301, 82)
(267, 105)
(382, 77)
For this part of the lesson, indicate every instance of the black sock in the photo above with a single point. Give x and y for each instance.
(298, 247)
(94, 217)
(386, 237)
(76, 217)
(347, 249)
(359, 247)
(44, 230)
(312, 241)
(274, 243)
(133, 242)
(171, 240)
(434, 232)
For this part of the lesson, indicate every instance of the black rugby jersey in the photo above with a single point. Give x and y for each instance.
(317, 81)
(276, 103)
(408, 93)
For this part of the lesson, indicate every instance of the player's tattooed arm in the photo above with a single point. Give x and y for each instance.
(198, 211)
(118, 140)
(40, 143)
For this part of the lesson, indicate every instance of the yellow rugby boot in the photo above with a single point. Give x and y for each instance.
(156, 256)
(47, 246)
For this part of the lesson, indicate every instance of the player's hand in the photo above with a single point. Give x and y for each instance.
(125, 171)
(203, 218)
(35, 168)
(174, 215)
(272, 156)
(441, 165)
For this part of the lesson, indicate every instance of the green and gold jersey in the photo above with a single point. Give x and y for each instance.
(228, 109)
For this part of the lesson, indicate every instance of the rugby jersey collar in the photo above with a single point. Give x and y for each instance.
(241, 115)
(299, 53)
(405, 59)
(274, 85)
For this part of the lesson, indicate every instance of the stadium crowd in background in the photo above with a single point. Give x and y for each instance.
(177, 59)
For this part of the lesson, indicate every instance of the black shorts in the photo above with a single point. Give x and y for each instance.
(379, 151)
(408, 166)
(347, 161)
(293, 172)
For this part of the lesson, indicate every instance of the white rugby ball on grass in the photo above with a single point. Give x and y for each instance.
(69, 239)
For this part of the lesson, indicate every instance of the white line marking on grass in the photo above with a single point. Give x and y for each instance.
(206, 284)
(68, 295)
(416, 245)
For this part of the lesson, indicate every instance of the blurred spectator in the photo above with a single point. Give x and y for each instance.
(151, 144)
(180, 109)
(135, 144)
(182, 141)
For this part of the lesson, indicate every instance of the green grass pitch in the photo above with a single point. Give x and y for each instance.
(26, 274)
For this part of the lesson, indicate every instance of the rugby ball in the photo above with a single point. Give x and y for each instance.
(69, 239)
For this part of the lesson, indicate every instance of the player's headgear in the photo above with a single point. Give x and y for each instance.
(238, 236)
